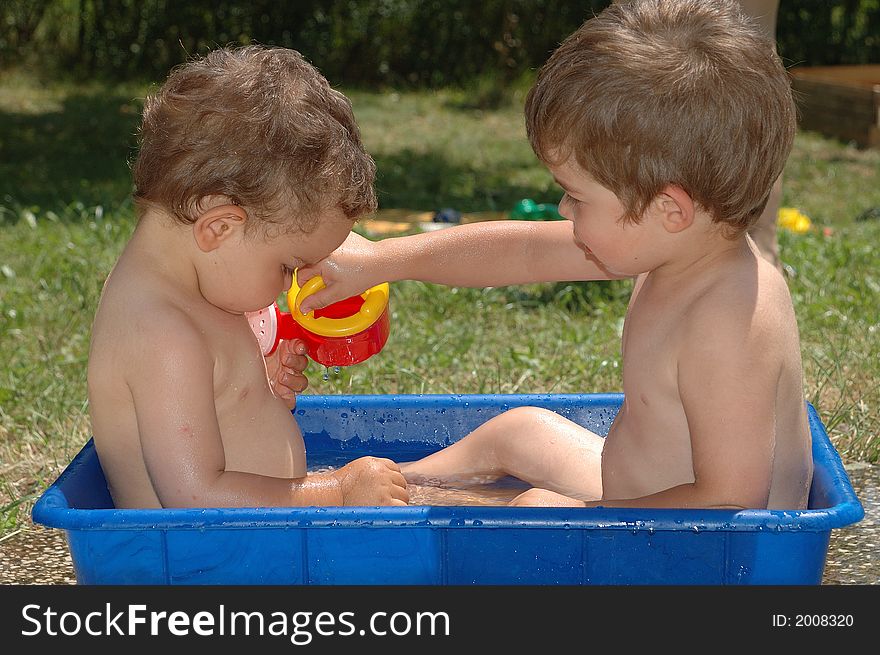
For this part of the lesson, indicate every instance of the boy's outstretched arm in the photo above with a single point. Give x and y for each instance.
(487, 254)
(173, 393)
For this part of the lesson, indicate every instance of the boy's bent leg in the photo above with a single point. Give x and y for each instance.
(535, 445)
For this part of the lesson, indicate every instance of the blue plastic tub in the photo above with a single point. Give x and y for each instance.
(435, 545)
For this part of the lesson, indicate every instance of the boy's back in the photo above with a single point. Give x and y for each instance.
(692, 344)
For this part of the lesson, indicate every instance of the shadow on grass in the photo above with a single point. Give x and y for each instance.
(415, 180)
(78, 153)
(81, 153)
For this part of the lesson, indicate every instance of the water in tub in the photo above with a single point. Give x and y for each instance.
(499, 492)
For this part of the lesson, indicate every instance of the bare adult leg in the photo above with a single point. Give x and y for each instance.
(764, 231)
(764, 12)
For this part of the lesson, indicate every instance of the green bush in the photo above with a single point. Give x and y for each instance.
(425, 43)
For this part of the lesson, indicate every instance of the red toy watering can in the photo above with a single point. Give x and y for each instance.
(344, 333)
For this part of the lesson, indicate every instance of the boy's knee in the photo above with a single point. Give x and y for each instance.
(517, 426)
(521, 417)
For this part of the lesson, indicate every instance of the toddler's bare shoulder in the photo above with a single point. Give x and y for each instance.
(164, 334)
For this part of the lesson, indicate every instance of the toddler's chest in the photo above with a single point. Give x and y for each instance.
(239, 375)
(240, 383)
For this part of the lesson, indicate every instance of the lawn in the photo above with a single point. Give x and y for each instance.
(65, 215)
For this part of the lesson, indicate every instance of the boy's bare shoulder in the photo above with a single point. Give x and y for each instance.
(745, 305)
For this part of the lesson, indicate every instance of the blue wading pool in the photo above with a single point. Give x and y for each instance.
(436, 545)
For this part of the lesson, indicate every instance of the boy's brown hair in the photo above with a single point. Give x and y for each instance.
(659, 92)
(259, 125)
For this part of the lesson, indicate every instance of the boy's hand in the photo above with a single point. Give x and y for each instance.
(372, 481)
(351, 269)
(285, 369)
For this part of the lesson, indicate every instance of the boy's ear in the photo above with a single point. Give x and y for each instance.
(675, 207)
(218, 223)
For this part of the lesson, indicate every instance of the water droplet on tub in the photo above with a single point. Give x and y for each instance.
(336, 369)
(326, 375)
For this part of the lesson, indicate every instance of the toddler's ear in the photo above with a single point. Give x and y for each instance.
(216, 224)
(675, 207)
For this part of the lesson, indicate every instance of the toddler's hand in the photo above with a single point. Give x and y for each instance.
(285, 369)
(372, 481)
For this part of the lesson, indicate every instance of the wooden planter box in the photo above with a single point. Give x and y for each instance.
(840, 101)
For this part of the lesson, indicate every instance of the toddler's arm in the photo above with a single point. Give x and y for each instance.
(487, 254)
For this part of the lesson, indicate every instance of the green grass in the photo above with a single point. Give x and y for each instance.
(64, 217)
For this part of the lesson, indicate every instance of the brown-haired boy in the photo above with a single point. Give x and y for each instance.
(249, 166)
(666, 123)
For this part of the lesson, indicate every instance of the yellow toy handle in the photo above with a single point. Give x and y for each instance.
(375, 302)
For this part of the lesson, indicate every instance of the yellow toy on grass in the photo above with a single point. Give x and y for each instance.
(793, 219)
